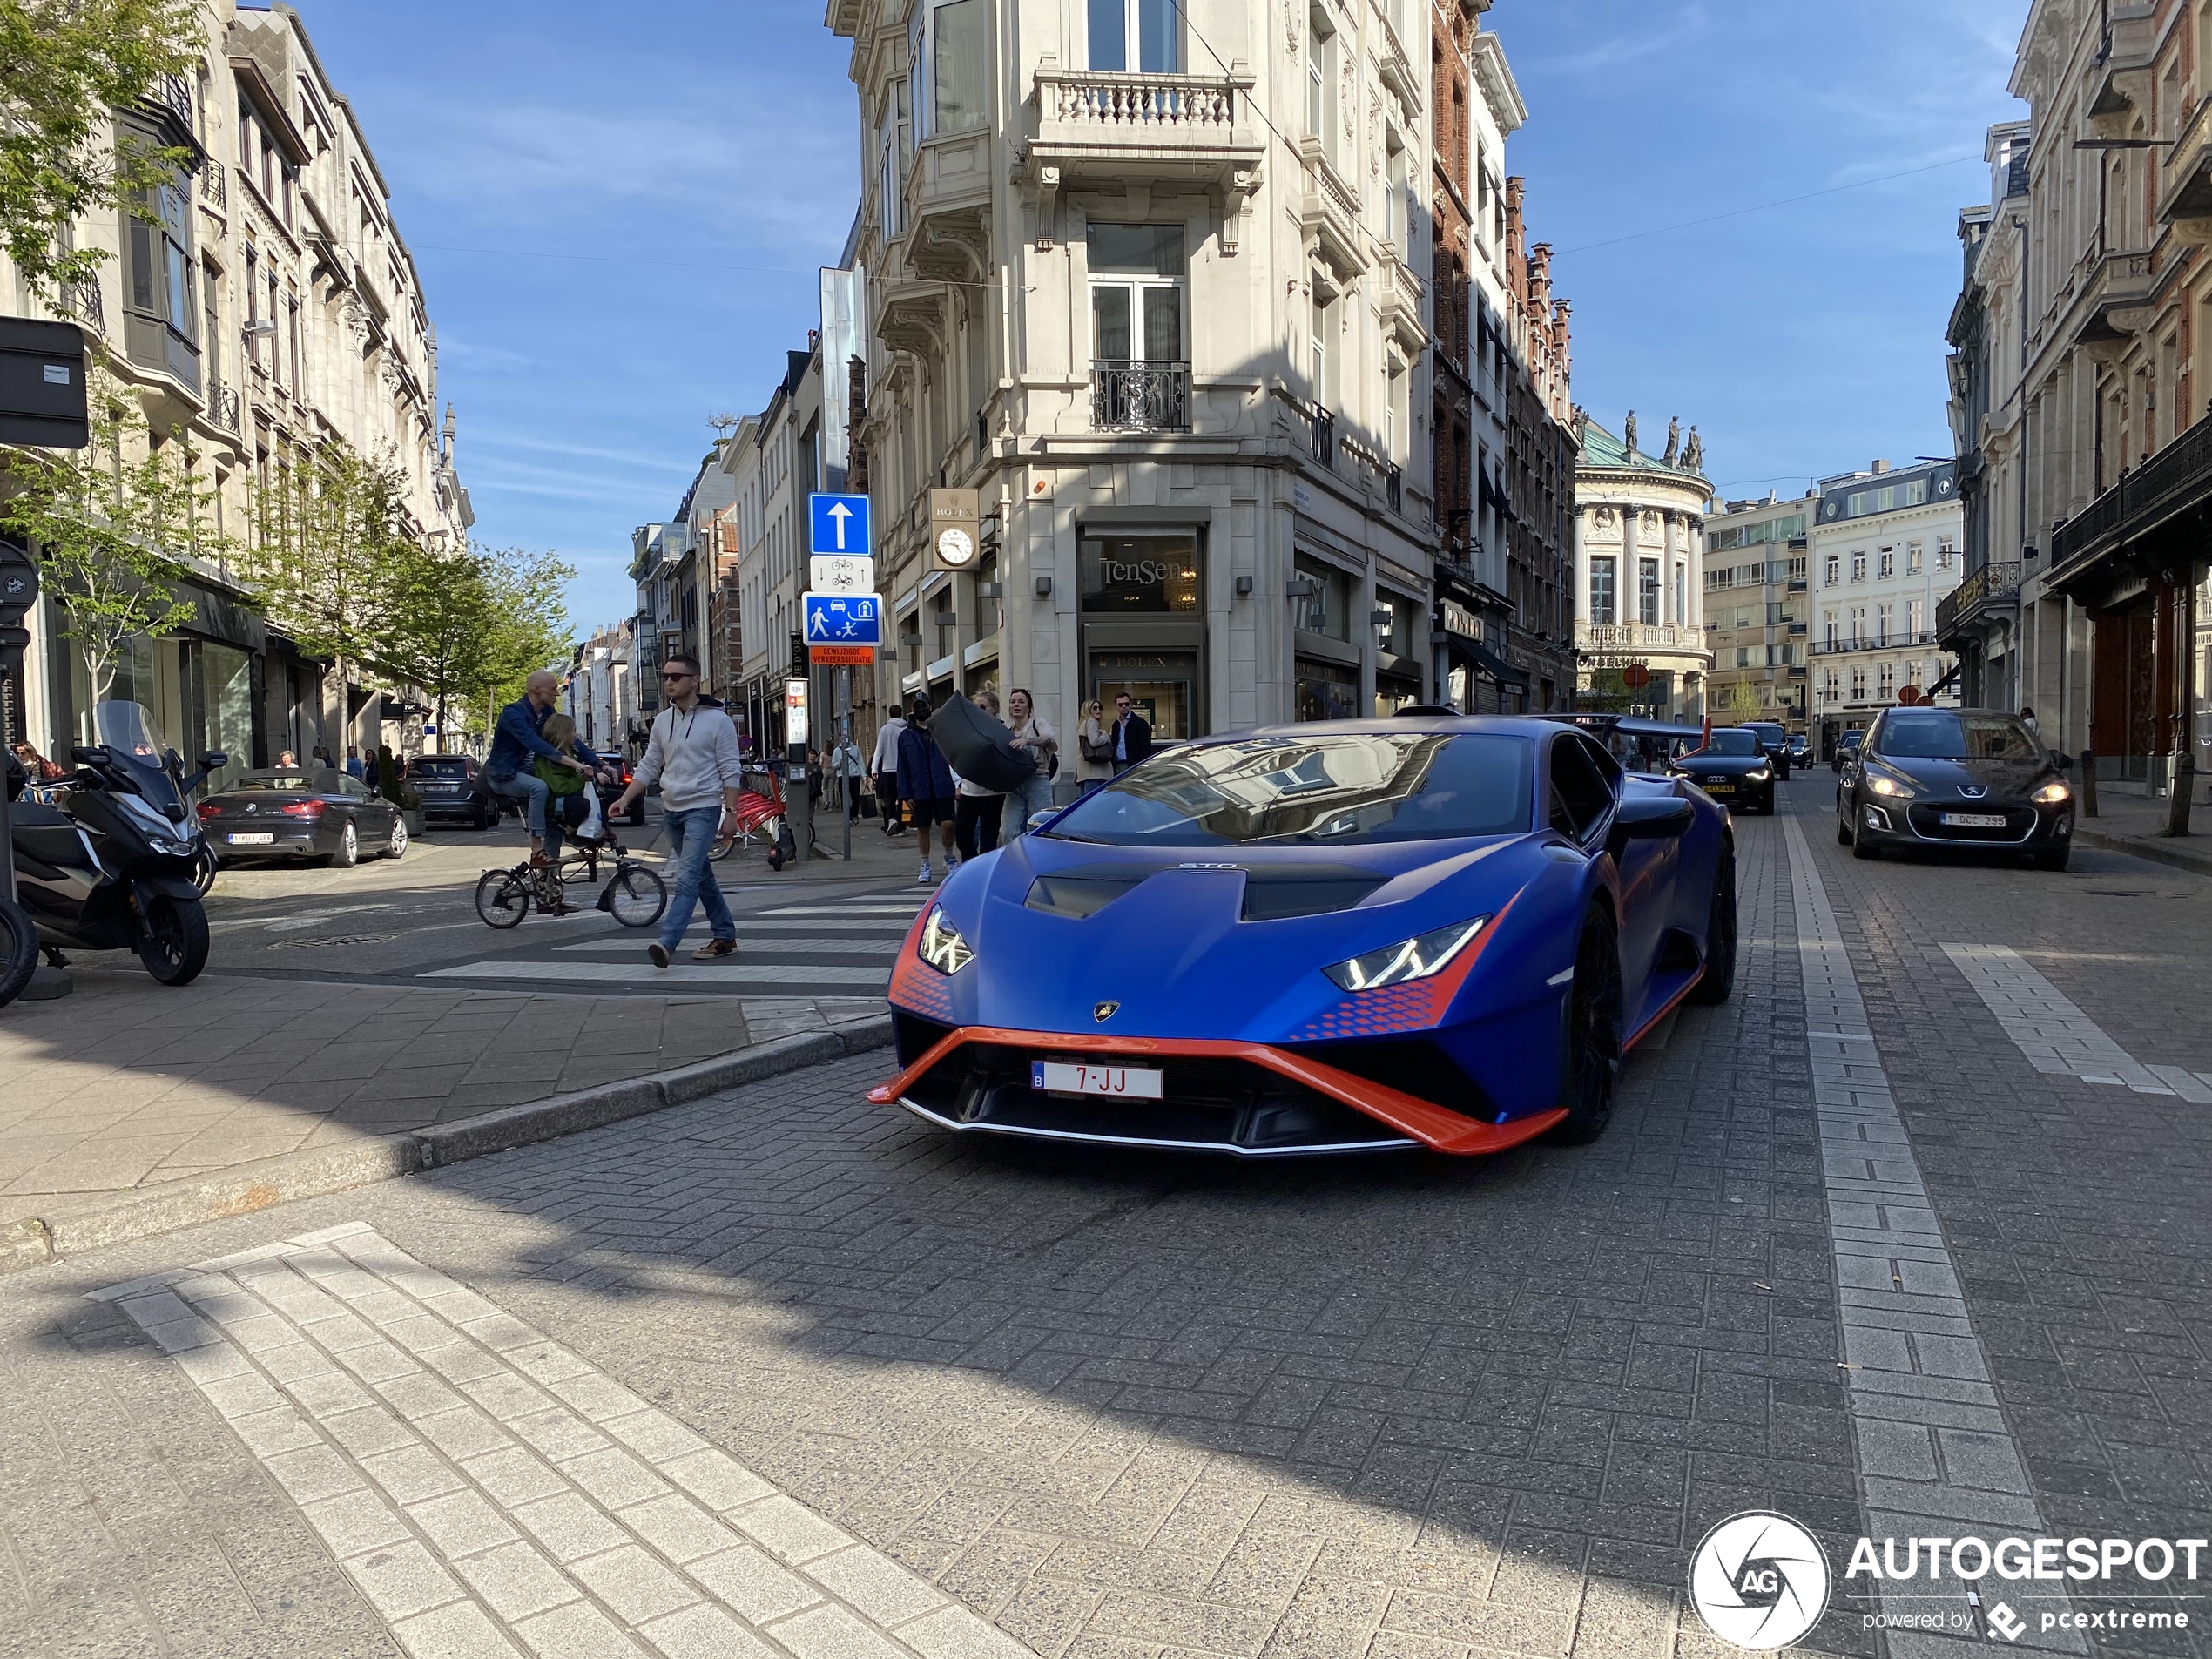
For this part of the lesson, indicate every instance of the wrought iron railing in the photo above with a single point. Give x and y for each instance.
(212, 188)
(222, 405)
(1127, 395)
(1874, 642)
(1324, 435)
(173, 93)
(81, 303)
(1992, 582)
(2178, 477)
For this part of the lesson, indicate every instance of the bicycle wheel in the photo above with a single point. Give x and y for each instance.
(18, 950)
(636, 897)
(503, 898)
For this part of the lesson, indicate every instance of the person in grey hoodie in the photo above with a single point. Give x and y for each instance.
(693, 752)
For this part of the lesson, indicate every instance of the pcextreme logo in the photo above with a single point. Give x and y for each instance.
(1759, 1581)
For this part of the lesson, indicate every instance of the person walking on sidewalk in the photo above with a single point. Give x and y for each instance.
(1033, 736)
(887, 773)
(845, 765)
(517, 747)
(926, 783)
(692, 751)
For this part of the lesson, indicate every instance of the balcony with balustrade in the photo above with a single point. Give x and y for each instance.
(2158, 502)
(2185, 180)
(1992, 588)
(1114, 127)
(1640, 639)
(1127, 395)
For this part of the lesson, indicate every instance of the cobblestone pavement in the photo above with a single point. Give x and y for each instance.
(1407, 1408)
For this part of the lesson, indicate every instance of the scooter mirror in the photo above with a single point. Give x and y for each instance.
(84, 756)
(214, 759)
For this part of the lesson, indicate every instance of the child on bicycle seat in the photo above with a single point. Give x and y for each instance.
(573, 803)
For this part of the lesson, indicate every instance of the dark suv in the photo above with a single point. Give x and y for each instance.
(453, 790)
(1776, 742)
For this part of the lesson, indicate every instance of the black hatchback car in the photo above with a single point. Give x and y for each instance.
(1956, 778)
(1733, 767)
(453, 790)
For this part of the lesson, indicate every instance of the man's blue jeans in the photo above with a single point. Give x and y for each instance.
(690, 837)
(529, 788)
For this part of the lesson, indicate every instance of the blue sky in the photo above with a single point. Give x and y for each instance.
(619, 216)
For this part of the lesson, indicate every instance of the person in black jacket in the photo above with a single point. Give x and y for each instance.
(1132, 735)
(926, 783)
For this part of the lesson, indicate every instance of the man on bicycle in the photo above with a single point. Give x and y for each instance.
(693, 752)
(517, 746)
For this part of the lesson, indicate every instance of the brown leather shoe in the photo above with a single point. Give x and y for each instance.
(714, 948)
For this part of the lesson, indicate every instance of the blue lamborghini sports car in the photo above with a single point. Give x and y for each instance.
(1439, 932)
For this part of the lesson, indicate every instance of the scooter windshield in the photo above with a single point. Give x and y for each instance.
(129, 727)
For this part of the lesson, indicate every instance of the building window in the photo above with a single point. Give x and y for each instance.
(1828, 686)
(1858, 624)
(1888, 566)
(1321, 82)
(1137, 277)
(1886, 682)
(1881, 625)
(1743, 657)
(1859, 686)
(1648, 592)
(1916, 618)
(1681, 592)
(1398, 197)
(1828, 572)
(1328, 612)
(1135, 34)
(1916, 492)
(960, 53)
(1858, 567)
(896, 144)
(162, 327)
(1943, 555)
(1855, 503)
(1828, 629)
(1601, 599)
(1319, 314)
(1912, 558)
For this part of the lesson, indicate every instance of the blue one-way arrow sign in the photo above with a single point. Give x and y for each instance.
(839, 524)
(843, 618)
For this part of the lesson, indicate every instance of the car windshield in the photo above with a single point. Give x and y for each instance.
(1940, 734)
(1735, 741)
(293, 780)
(130, 727)
(439, 768)
(1345, 790)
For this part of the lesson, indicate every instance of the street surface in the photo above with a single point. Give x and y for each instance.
(1910, 1236)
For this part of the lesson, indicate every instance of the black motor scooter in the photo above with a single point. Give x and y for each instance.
(114, 867)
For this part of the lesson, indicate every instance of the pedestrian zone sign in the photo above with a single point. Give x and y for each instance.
(838, 524)
(843, 618)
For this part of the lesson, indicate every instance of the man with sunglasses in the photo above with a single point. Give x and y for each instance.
(693, 752)
(509, 769)
(1132, 734)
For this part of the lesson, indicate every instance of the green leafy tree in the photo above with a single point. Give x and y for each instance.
(1743, 703)
(63, 65)
(472, 626)
(332, 546)
(117, 521)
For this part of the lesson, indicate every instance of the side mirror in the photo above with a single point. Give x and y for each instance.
(1652, 817)
(213, 759)
(1038, 820)
(85, 755)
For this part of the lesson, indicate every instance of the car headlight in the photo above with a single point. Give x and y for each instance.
(941, 946)
(1410, 959)
(1888, 786)
(2052, 793)
(1760, 776)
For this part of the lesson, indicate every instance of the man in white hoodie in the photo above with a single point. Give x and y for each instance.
(693, 752)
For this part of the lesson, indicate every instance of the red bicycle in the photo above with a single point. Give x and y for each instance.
(759, 817)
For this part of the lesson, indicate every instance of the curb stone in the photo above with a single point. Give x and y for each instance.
(2179, 858)
(37, 1241)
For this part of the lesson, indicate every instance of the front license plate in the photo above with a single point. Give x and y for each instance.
(1974, 821)
(1132, 1083)
(258, 838)
(1720, 789)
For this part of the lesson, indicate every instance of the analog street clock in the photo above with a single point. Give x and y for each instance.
(956, 549)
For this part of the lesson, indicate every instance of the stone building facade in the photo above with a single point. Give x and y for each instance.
(1153, 281)
(273, 306)
(1758, 609)
(2082, 367)
(1639, 572)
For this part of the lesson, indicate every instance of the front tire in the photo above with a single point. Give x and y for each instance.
(637, 898)
(18, 950)
(350, 850)
(1593, 1032)
(1842, 821)
(2053, 859)
(395, 846)
(1719, 978)
(173, 939)
(503, 899)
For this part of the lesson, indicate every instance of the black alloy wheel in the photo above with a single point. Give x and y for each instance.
(173, 939)
(2054, 857)
(1593, 1032)
(18, 950)
(1719, 978)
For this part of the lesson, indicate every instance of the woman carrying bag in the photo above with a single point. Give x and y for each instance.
(1094, 743)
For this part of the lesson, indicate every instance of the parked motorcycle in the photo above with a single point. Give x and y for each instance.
(115, 866)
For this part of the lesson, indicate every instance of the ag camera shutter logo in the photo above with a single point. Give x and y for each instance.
(1759, 1581)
